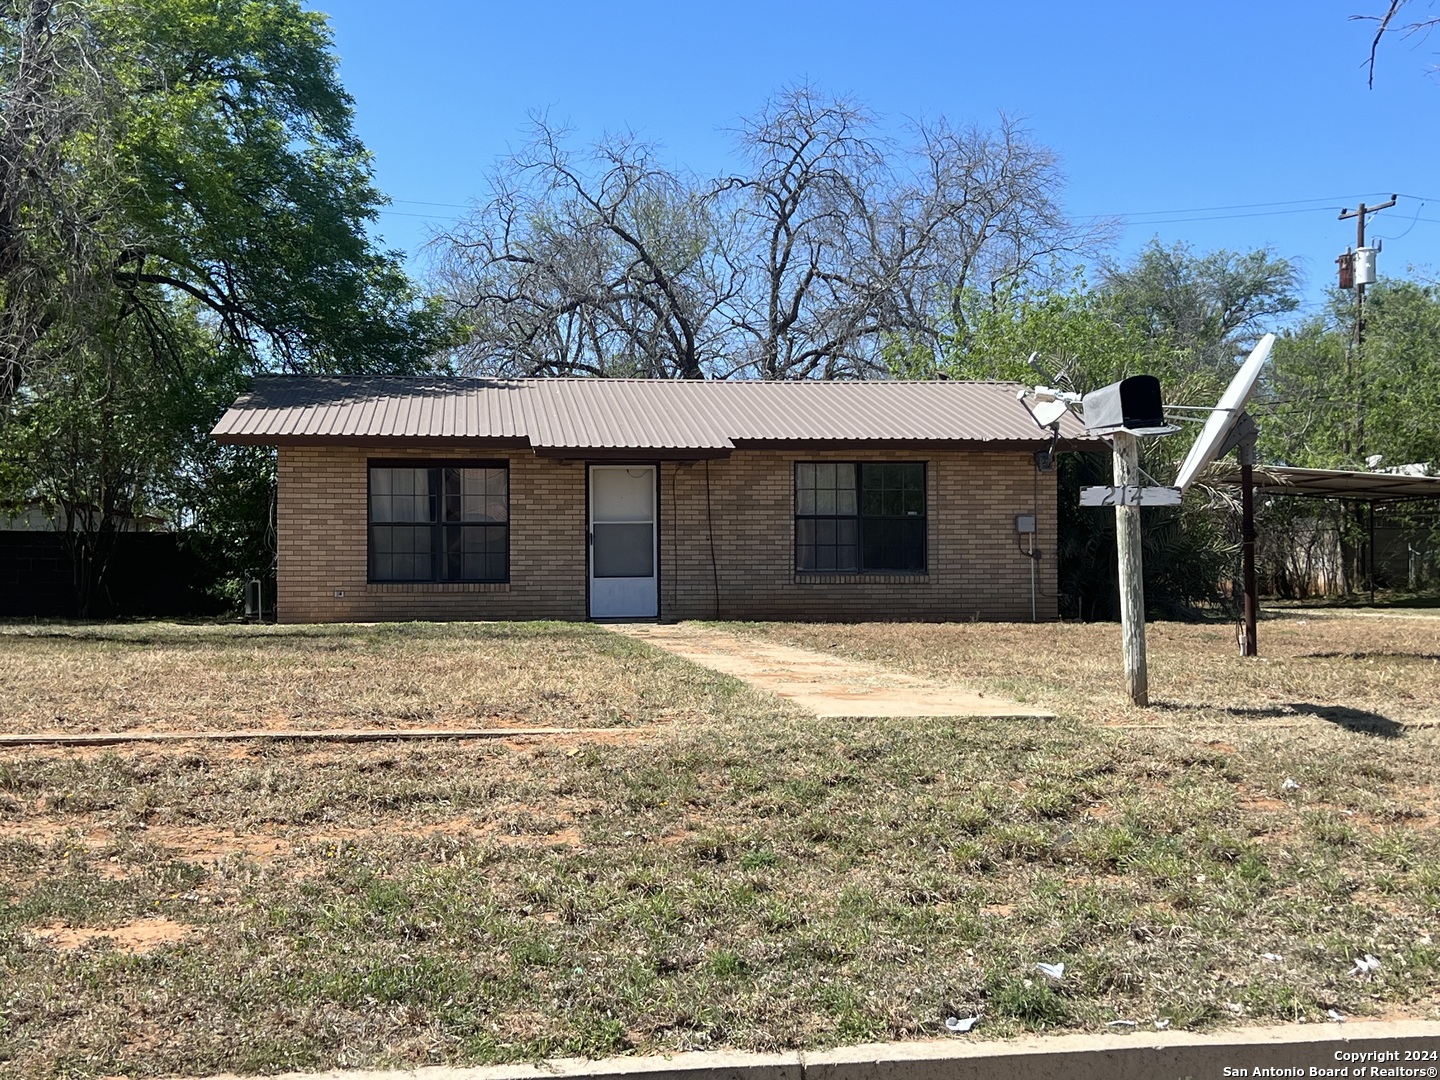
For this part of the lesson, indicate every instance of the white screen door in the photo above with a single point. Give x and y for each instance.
(623, 553)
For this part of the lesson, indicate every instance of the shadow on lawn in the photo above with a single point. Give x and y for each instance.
(1425, 656)
(1360, 721)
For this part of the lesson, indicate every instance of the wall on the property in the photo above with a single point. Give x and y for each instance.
(740, 508)
(323, 536)
(148, 574)
(975, 568)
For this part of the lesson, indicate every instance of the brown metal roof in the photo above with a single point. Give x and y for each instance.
(1335, 483)
(556, 415)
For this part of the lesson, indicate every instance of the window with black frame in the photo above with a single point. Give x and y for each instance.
(855, 517)
(439, 522)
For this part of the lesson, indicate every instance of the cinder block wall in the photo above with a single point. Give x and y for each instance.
(743, 510)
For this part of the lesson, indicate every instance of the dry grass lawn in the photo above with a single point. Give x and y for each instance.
(160, 677)
(1343, 665)
(713, 868)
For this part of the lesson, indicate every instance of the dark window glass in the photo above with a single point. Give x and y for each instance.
(439, 523)
(853, 517)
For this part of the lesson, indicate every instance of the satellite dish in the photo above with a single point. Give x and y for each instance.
(1227, 412)
(1047, 412)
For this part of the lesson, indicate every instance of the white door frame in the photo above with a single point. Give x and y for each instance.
(623, 597)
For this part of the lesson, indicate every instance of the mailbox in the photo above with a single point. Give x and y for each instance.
(1131, 405)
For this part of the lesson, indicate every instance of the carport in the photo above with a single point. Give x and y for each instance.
(1369, 488)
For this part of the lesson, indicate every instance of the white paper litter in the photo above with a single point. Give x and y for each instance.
(1121, 1023)
(1335, 1016)
(1051, 971)
(1161, 1025)
(1289, 785)
(1366, 965)
(1274, 958)
(960, 1024)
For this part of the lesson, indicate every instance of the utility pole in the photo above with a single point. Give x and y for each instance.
(1359, 214)
(1362, 268)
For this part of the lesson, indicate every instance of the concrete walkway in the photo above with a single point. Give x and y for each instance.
(1352, 1049)
(826, 685)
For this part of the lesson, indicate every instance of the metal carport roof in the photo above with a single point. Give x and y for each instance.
(1375, 487)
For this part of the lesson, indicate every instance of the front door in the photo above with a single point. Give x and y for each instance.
(623, 550)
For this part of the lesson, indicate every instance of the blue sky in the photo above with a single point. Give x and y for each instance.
(1159, 112)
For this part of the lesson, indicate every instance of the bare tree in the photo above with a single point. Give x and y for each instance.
(810, 238)
(979, 211)
(1386, 24)
(609, 271)
(832, 244)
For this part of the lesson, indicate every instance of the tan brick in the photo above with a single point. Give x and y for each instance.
(975, 568)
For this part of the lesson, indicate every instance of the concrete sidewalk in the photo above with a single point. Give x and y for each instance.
(1350, 1050)
(826, 685)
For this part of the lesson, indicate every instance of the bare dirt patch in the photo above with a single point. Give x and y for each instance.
(137, 938)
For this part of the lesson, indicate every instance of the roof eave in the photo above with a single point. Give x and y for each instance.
(423, 442)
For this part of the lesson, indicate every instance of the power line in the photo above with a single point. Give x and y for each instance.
(1233, 217)
(1236, 206)
(1249, 206)
(422, 202)
(1301, 206)
(424, 217)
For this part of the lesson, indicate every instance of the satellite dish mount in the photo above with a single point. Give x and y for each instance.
(1230, 428)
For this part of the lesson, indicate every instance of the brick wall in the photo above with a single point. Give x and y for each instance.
(975, 570)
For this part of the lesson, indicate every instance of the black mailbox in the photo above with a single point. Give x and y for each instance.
(1131, 405)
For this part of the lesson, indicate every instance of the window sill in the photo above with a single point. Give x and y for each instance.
(870, 577)
(437, 587)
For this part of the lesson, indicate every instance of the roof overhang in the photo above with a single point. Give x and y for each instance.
(632, 453)
(463, 443)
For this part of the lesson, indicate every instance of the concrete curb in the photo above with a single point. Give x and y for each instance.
(1349, 1050)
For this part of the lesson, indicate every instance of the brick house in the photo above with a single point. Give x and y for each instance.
(439, 498)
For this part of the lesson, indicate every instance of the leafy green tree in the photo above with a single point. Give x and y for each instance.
(1211, 307)
(1077, 333)
(1170, 313)
(249, 190)
(193, 209)
(1337, 407)
(101, 434)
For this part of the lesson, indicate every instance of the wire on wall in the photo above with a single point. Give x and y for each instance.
(674, 538)
(1036, 556)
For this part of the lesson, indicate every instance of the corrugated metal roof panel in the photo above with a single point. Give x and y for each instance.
(630, 413)
(1332, 483)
